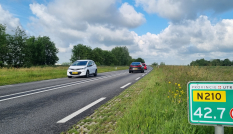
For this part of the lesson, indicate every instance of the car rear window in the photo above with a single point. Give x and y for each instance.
(135, 63)
(79, 63)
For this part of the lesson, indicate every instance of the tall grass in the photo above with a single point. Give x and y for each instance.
(21, 75)
(162, 106)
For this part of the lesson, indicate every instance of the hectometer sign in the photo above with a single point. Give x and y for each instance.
(210, 102)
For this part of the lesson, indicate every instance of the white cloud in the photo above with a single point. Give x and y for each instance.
(78, 14)
(75, 20)
(177, 10)
(93, 23)
(130, 17)
(101, 24)
(190, 40)
(103, 35)
(9, 20)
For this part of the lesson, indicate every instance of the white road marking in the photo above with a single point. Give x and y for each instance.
(137, 78)
(43, 88)
(80, 111)
(57, 87)
(125, 85)
(6, 86)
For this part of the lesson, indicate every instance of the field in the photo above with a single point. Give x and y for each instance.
(21, 75)
(155, 104)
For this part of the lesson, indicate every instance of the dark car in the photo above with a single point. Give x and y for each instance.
(145, 67)
(136, 67)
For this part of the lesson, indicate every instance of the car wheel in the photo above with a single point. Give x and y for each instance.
(69, 76)
(142, 71)
(95, 74)
(87, 74)
(129, 71)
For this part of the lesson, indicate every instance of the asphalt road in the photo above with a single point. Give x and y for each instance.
(52, 106)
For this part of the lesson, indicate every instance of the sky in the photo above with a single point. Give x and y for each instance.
(175, 32)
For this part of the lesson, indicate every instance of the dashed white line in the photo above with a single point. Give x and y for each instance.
(125, 85)
(80, 111)
(137, 78)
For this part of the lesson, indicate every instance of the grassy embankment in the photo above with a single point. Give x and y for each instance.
(21, 75)
(155, 104)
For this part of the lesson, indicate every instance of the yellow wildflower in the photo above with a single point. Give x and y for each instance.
(182, 92)
(179, 85)
(175, 83)
(169, 82)
(167, 96)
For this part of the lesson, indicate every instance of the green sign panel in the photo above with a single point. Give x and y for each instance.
(210, 103)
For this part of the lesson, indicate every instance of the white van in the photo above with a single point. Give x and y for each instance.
(82, 68)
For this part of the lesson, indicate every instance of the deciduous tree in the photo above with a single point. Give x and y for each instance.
(81, 51)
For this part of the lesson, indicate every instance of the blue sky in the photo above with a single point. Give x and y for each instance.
(156, 30)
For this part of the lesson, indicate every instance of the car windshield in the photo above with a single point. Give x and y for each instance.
(79, 63)
(135, 63)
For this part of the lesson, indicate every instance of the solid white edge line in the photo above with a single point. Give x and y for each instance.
(125, 85)
(57, 86)
(137, 78)
(80, 111)
(1, 100)
(45, 88)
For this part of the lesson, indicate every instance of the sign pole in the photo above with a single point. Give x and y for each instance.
(219, 129)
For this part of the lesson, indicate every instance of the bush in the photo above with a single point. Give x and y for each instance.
(97, 63)
(1, 64)
(112, 65)
(155, 63)
(162, 63)
(27, 65)
(66, 63)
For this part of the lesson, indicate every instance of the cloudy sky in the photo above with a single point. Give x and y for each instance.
(172, 31)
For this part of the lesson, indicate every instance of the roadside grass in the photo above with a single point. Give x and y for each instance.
(21, 75)
(155, 104)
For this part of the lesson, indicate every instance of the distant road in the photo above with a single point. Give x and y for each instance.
(52, 106)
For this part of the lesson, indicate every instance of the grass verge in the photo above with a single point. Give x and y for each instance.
(155, 104)
(22, 75)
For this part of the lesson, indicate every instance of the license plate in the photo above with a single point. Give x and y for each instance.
(74, 72)
(135, 68)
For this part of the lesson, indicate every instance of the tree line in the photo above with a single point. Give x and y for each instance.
(214, 62)
(117, 56)
(20, 50)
